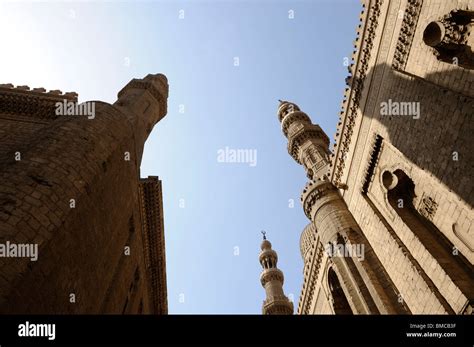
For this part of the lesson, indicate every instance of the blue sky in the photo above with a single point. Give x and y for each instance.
(213, 211)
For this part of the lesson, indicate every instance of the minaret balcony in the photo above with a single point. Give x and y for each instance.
(272, 274)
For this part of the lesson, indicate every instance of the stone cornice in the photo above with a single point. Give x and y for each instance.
(273, 274)
(363, 49)
(278, 305)
(292, 117)
(313, 192)
(56, 94)
(372, 163)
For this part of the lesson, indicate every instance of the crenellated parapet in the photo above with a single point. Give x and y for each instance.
(316, 194)
(36, 103)
(71, 185)
(39, 92)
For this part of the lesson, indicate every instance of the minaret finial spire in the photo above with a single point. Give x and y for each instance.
(264, 233)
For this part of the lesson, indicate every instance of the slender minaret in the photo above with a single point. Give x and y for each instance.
(365, 283)
(272, 280)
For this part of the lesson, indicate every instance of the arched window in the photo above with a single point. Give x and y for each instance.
(401, 196)
(340, 303)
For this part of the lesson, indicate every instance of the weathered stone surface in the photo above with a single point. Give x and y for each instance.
(67, 186)
(404, 176)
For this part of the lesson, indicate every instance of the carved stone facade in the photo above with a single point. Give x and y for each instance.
(398, 184)
(70, 186)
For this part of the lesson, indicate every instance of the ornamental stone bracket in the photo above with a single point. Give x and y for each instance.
(448, 37)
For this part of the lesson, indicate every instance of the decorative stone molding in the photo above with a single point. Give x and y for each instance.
(306, 132)
(407, 31)
(151, 208)
(277, 306)
(314, 192)
(427, 207)
(36, 103)
(307, 142)
(292, 117)
(309, 284)
(307, 239)
(372, 163)
(352, 96)
(40, 92)
(269, 275)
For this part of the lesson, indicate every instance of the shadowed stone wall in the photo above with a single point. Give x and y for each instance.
(70, 184)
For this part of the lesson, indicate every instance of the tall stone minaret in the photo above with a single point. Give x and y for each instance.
(308, 144)
(365, 283)
(272, 280)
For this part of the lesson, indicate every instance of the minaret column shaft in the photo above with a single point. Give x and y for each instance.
(274, 289)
